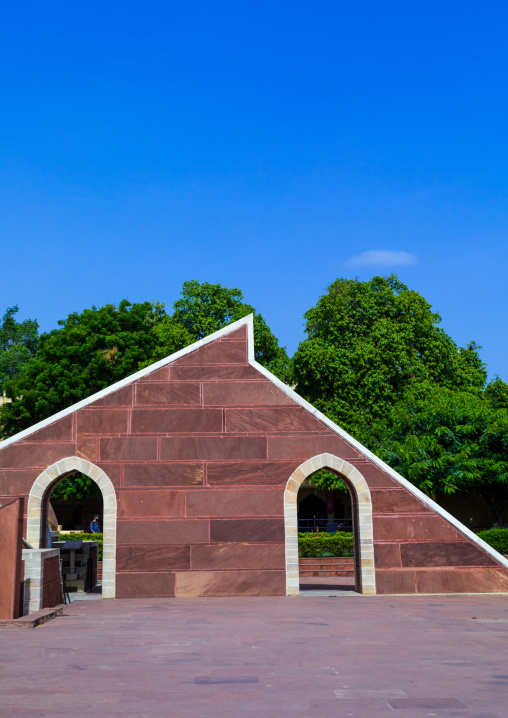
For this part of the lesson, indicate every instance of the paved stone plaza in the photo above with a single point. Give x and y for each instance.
(350, 656)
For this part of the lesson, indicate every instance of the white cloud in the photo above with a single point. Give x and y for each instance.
(382, 258)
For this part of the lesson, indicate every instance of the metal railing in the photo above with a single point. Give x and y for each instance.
(326, 525)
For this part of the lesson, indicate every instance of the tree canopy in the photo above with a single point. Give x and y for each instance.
(205, 308)
(368, 343)
(18, 342)
(102, 345)
(449, 441)
(87, 353)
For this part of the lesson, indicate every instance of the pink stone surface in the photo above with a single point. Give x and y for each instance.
(350, 657)
(200, 452)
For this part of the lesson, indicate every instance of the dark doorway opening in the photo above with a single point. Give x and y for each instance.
(327, 536)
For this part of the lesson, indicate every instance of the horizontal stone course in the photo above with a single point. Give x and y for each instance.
(170, 531)
(412, 528)
(229, 502)
(215, 353)
(247, 473)
(150, 558)
(213, 448)
(181, 421)
(444, 553)
(102, 421)
(160, 474)
(151, 503)
(145, 585)
(128, 448)
(243, 393)
(270, 420)
(237, 556)
(170, 393)
(302, 447)
(31, 454)
(247, 530)
(230, 583)
(396, 501)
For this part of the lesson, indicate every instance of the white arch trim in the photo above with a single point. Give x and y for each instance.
(36, 496)
(358, 484)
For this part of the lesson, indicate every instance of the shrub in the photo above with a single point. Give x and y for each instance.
(312, 545)
(497, 538)
(84, 537)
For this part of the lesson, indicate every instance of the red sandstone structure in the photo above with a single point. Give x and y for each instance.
(199, 458)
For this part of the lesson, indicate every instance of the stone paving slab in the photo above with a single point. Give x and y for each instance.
(357, 657)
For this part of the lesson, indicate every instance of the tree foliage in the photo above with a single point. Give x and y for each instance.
(89, 352)
(75, 486)
(205, 308)
(18, 343)
(449, 441)
(368, 343)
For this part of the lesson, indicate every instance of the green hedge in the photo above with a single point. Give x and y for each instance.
(84, 537)
(497, 538)
(312, 545)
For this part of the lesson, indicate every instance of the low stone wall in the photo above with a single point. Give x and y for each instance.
(323, 567)
(43, 584)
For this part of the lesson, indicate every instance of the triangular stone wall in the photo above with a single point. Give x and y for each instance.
(200, 450)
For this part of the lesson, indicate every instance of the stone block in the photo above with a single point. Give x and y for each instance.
(213, 448)
(30, 454)
(462, 580)
(231, 502)
(176, 421)
(152, 558)
(171, 531)
(102, 421)
(271, 420)
(159, 474)
(387, 555)
(128, 448)
(237, 556)
(247, 530)
(145, 585)
(244, 393)
(230, 583)
(407, 528)
(60, 430)
(305, 447)
(248, 473)
(395, 581)
(373, 475)
(120, 397)
(396, 501)
(215, 353)
(86, 448)
(444, 553)
(170, 393)
(143, 503)
(215, 373)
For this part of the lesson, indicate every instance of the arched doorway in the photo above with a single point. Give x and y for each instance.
(37, 501)
(362, 521)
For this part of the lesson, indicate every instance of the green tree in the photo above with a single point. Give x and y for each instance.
(203, 309)
(76, 486)
(448, 441)
(18, 343)
(368, 343)
(89, 352)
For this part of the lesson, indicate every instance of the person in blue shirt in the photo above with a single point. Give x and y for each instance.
(94, 525)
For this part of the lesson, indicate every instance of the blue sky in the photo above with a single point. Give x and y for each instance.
(270, 146)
